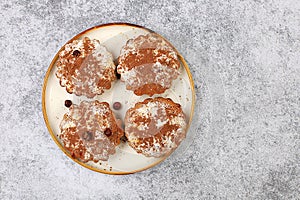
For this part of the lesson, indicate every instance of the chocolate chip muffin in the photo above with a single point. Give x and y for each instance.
(85, 67)
(148, 64)
(90, 131)
(155, 127)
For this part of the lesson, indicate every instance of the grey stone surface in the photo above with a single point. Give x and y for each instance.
(245, 59)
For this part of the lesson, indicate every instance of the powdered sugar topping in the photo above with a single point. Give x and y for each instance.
(83, 131)
(152, 129)
(148, 60)
(85, 67)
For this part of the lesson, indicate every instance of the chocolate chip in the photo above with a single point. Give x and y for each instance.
(87, 136)
(68, 103)
(107, 132)
(123, 138)
(117, 74)
(117, 105)
(73, 155)
(76, 53)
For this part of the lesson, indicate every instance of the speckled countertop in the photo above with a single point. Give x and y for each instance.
(245, 59)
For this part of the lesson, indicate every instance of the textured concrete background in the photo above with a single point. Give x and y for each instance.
(245, 59)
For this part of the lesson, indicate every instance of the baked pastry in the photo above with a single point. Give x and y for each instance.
(85, 67)
(148, 64)
(155, 127)
(90, 131)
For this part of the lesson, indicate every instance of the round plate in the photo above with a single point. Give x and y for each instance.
(125, 160)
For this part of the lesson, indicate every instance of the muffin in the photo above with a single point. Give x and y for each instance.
(85, 67)
(155, 127)
(90, 131)
(148, 64)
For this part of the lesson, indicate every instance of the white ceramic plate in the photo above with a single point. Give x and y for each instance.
(125, 160)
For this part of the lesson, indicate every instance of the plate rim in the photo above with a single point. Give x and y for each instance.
(45, 83)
